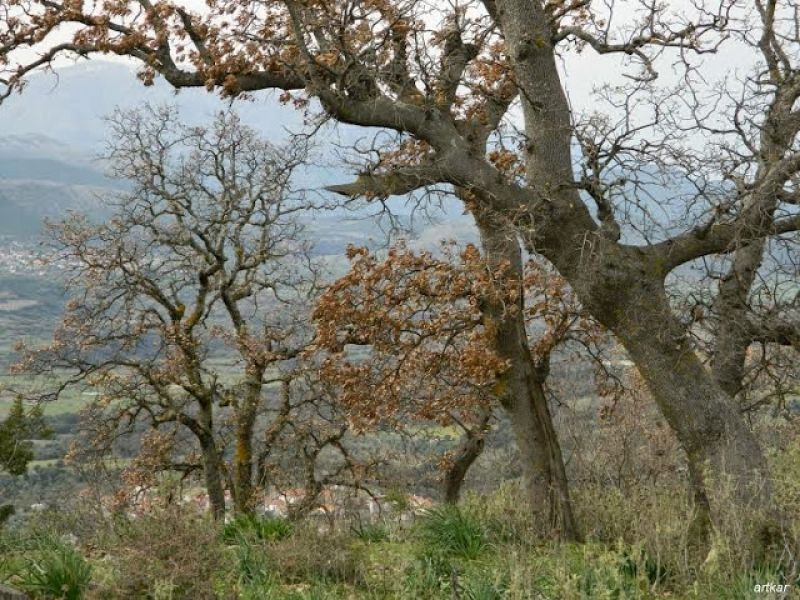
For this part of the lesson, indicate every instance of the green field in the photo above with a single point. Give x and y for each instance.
(71, 401)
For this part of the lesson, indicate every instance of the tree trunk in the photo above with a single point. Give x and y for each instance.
(470, 448)
(213, 478)
(522, 395)
(243, 457)
(726, 456)
(622, 287)
(211, 462)
(728, 470)
(540, 453)
(732, 335)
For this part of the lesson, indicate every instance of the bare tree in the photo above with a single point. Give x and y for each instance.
(188, 306)
(444, 78)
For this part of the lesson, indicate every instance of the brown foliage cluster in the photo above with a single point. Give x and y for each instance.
(431, 350)
(408, 335)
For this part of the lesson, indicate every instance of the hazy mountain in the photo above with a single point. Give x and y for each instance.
(68, 107)
(24, 205)
(51, 135)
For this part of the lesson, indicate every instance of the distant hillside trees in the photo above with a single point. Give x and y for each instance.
(16, 432)
(16, 448)
(189, 308)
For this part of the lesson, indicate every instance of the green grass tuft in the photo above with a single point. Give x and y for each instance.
(254, 527)
(453, 532)
(57, 570)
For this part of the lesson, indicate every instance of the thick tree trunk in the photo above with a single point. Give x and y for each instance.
(468, 451)
(728, 470)
(623, 287)
(522, 395)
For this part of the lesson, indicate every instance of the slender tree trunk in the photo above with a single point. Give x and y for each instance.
(470, 448)
(540, 453)
(732, 335)
(522, 394)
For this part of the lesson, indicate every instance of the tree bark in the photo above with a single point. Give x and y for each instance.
(243, 456)
(732, 333)
(211, 464)
(728, 470)
(468, 451)
(623, 286)
(213, 478)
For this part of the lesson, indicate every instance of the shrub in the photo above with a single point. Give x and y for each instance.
(309, 556)
(427, 578)
(56, 570)
(483, 587)
(596, 571)
(453, 532)
(180, 554)
(252, 563)
(636, 562)
(6, 512)
(372, 533)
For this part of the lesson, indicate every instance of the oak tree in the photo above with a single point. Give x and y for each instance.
(188, 307)
(410, 340)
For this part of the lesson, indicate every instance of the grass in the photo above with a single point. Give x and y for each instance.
(56, 570)
(484, 549)
(372, 533)
(75, 399)
(260, 528)
(451, 552)
(71, 401)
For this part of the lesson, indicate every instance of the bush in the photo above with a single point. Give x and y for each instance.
(166, 553)
(453, 532)
(308, 556)
(372, 533)
(56, 570)
(253, 564)
(594, 571)
(428, 577)
(483, 587)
